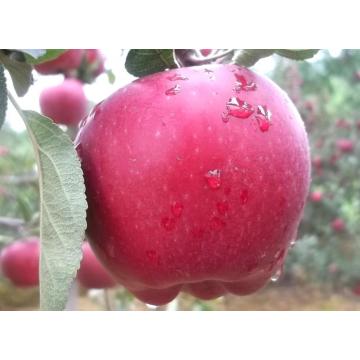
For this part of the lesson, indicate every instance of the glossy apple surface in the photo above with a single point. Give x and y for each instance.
(196, 181)
(65, 103)
(92, 275)
(19, 262)
(67, 61)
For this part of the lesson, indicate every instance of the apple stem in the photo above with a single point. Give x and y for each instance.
(196, 60)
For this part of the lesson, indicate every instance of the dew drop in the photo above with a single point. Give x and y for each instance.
(277, 274)
(225, 116)
(242, 84)
(292, 243)
(244, 196)
(263, 118)
(173, 91)
(177, 209)
(222, 207)
(213, 178)
(239, 108)
(176, 77)
(216, 223)
(168, 223)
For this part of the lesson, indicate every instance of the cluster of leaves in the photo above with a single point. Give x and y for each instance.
(326, 94)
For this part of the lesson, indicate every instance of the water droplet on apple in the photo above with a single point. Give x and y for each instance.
(216, 223)
(244, 196)
(176, 77)
(213, 178)
(263, 118)
(225, 117)
(173, 91)
(210, 73)
(239, 108)
(242, 84)
(177, 209)
(222, 207)
(292, 243)
(277, 274)
(168, 223)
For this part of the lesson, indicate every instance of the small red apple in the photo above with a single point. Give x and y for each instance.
(92, 275)
(316, 196)
(356, 289)
(65, 103)
(67, 61)
(345, 145)
(205, 52)
(19, 262)
(343, 124)
(309, 105)
(190, 178)
(338, 225)
(3, 150)
(95, 61)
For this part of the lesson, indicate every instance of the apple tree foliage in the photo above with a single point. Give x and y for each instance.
(327, 94)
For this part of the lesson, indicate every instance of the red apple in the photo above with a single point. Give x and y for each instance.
(316, 196)
(19, 262)
(65, 103)
(95, 61)
(343, 124)
(205, 52)
(3, 150)
(92, 275)
(196, 180)
(345, 145)
(356, 289)
(338, 225)
(67, 61)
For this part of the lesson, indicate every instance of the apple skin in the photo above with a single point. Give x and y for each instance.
(19, 262)
(67, 61)
(92, 275)
(181, 198)
(65, 103)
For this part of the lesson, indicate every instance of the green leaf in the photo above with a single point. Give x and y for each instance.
(3, 96)
(297, 54)
(20, 72)
(62, 205)
(141, 62)
(41, 55)
(249, 57)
